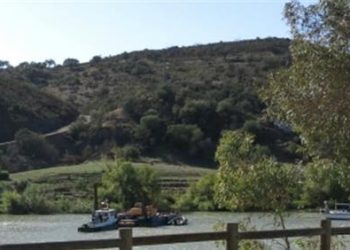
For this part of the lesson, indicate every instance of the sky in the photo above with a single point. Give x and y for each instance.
(36, 30)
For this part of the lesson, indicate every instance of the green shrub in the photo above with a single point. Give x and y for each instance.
(32, 200)
(184, 136)
(12, 203)
(199, 196)
(4, 175)
(125, 184)
(130, 152)
(35, 146)
(251, 126)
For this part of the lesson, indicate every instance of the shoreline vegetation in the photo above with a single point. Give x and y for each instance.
(64, 189)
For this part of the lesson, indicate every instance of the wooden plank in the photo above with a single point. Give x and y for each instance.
(86, 244)
(126, 239)
(272, 234)
(340, 230)
(326, 236)
(232, 236)
(178, 238)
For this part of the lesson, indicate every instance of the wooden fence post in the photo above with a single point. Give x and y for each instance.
(326, 236)
(232, 236)
(125, 235)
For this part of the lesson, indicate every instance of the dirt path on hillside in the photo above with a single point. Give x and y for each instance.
(62, 130)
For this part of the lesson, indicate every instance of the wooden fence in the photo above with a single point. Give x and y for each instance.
(231, 235)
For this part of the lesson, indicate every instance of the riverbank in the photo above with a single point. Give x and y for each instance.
(69, 189)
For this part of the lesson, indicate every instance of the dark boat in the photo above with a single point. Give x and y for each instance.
(107, 219)
(163, 219)
(101, 220)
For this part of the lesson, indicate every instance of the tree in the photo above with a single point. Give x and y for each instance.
(313, 94)
(70, 62)
(35, 146)
(246, 181)
(125, 184)
(203, 114)
(184, 136)
(50, 63)
(151, 130)
(95, 60)
(4, 64)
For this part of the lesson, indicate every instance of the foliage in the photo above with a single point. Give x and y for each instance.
(4, 175)
(236, 149)
(199, 196)
(35, 146)
(184, 136)
(325, 180)
(244, 178)
(125, 184)
(312, 95)
(174, 83)
(203, 114)
(70, 62)
(12, 203)
(150, 130)
(128, 152)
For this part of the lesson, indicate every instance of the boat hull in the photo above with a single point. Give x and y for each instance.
(338, 216)
(86, 228)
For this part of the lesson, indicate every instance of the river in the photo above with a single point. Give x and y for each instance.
(46, 228)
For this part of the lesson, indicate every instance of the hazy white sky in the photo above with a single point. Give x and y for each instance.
(58, 29)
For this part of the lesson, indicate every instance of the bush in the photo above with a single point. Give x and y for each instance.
(4, 175)
(95, 60)
(199, 196)
(252, 126)
(13, 203)
(31, 200)
(125, 184)
(70, 62)
(35, 146)
(151, 130)
(130, 152)
(184, 136)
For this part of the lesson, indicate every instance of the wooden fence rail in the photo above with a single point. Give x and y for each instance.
(232, 237)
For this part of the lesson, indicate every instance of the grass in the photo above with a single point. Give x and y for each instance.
(74, 184)
(97, 167)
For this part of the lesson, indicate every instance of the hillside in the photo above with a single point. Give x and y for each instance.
(172, 103)
(24, 106)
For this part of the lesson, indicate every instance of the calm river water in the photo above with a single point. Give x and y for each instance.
(39, 228)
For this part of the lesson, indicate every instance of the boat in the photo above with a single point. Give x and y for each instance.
(148, 217)
(138, 216)
(165, 219)
(101, 220)
(341, 211)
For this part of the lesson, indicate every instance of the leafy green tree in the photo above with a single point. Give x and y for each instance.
(247, 181)
(35, 146)
(50, 63)
(199, 196)
(325, 180)
(185, 137)
(70, 62)
(203, 114)
(95, 60)
(125, 184)
(151, 130)
(313, 94)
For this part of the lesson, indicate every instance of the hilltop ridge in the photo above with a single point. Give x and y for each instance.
(173, 102)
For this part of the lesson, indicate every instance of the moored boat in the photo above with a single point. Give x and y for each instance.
(101, 220)
(341, 211)
(107, 219)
